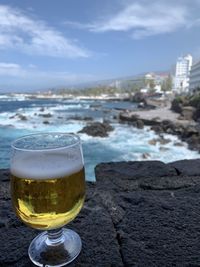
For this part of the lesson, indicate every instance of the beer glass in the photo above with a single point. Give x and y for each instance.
(48, 190)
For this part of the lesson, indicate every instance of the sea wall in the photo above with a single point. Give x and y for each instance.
(136, 214)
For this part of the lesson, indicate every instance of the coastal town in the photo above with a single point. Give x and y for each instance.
(182, 79)
(167, 102)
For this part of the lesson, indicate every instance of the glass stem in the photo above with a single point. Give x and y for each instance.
(55, 237)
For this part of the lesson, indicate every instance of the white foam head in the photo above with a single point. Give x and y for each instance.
(45, 164)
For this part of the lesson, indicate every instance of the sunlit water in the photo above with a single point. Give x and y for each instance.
(125, 143)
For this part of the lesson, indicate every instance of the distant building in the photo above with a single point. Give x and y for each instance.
(182, 73)
(195, 77)
(145, 82)
(156, 79)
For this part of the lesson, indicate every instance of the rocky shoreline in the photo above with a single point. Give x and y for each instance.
(161, 120)
(164, 120)
(136, 214)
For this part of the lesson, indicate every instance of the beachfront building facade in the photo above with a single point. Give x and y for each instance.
(195, 77)
(182, 73)
(155, 80)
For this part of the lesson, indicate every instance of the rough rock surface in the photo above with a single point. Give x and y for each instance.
(136, 214)
(97, 129)
(94, 224)
(189, 131)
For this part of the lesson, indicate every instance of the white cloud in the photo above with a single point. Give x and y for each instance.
(11, 69)
(18, 31)
(146, 18)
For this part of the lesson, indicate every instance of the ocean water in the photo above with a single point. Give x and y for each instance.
(125, 143)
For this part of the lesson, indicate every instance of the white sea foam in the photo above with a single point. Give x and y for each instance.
(127, 143)
(124, 143)
(45, 165)
(69, 106)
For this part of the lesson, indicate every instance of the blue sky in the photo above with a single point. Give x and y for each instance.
(47, 44)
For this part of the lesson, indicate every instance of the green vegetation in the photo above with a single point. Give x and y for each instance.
(195, 100)
(188, 100)
(128, 87)
(93, 91)
(167, 84)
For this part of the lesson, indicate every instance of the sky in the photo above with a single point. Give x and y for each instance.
(50, 44)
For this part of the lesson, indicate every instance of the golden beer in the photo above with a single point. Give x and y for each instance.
(48, 203)
(48, 190)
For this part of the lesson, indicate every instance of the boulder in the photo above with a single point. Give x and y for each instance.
(140, 124)
(176, 106)
(97, 129)
(126, 117)
(161, 140)
(190, 131)
(45, 122)
(157, 128)
(47, 115)
(164, 141)
(152, 142)
(22, 117)
(146, 155)
(178, 144)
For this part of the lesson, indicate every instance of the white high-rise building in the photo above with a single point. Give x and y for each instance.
(195, 76)
(183, 67)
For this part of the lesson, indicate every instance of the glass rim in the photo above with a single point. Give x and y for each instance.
(77, 141)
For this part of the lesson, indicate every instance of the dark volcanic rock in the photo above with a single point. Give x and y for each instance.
(160, 223)
(45, 122)
(140, 124)
(100, 246)
(47, 115)
(161, 140)
(137, 214)
(160, 228)
(187, 167)
(157, 128)
(79, 118)
(177, 105)
(97, 129)
(125, 117)
(22, 117)
(133, 175)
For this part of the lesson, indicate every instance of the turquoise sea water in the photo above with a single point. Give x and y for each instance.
(124, 143)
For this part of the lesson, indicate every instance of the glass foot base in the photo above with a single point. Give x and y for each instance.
(55, 249)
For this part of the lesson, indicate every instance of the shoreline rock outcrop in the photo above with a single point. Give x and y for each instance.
(188, 132)
(97, 129)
